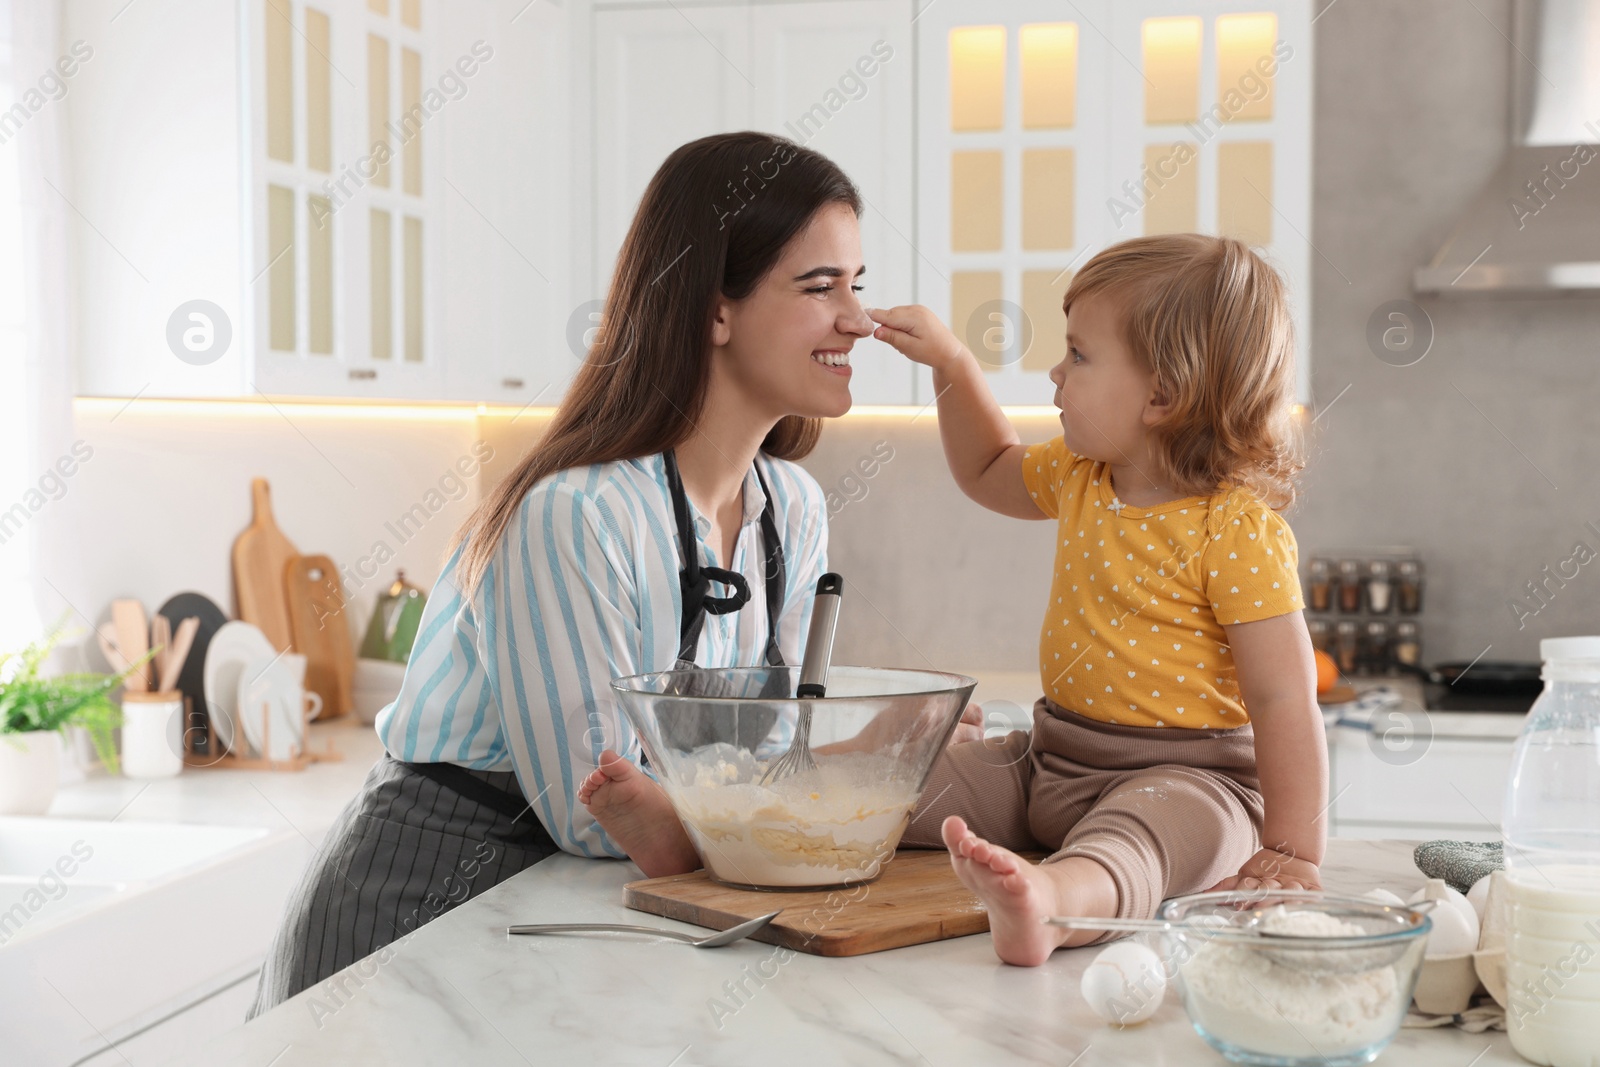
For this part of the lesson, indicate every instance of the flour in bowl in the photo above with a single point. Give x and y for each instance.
(1245, 997)
(829, 826)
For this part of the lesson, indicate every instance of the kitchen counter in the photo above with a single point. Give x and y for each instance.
(462, 991)
(306, 801)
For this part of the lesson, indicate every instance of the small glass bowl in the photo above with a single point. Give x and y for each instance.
(1294, 1000)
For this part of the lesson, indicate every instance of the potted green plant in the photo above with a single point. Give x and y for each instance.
(33, 712)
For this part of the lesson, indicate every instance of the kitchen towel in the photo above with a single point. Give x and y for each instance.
(1485, 1015)
(1459, 863)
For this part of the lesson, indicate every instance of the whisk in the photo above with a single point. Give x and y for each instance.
(813, 683)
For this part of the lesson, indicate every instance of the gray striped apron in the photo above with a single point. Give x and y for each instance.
(421, 838)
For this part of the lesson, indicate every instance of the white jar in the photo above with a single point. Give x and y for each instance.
(152, 734)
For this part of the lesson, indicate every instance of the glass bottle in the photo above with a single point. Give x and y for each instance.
(1349, 587)
(1321, 575)
(1380, 587)
(1346, 641)
(1408, 586)
(1552, 849)
(1374, 658)
(1321, 634)
(1407, 645)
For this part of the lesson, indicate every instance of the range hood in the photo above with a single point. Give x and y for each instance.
(1535, 227)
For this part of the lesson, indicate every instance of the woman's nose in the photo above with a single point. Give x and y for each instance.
(855, 321)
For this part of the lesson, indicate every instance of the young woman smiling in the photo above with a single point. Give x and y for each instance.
(661, 521)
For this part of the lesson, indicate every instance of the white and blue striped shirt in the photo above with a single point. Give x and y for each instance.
(583, 588)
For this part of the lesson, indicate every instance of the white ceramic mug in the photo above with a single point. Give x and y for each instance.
(152, 734)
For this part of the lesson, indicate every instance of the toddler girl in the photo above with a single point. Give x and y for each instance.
(1178, 746)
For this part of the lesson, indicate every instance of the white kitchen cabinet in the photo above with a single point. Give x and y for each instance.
(337, 268)
(1404, 783)
(506, 289)
(663, 76)
(184, 1031)
(1048, 130)
(157, 202)
(835, 75)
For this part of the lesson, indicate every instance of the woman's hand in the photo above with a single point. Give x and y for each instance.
(970, 728)
(1271, 869)
(916, 333)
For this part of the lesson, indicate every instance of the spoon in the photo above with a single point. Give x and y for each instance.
(726, 937)
(813, 684)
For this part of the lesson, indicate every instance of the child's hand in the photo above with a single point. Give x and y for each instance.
(916, 333)
(1271, 869)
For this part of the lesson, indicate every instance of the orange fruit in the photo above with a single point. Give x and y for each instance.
(1327, 671)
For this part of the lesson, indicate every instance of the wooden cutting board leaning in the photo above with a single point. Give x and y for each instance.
(320, 630)
(261, 556)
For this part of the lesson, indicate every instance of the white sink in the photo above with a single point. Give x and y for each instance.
(106, 928)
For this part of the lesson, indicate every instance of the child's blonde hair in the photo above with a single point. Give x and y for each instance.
(1210, 318)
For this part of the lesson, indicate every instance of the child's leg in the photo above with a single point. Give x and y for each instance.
(986, 783)
(976, 805)
(1020, 896)
(1165, 831)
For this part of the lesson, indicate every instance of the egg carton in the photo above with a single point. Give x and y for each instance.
(1446, 985)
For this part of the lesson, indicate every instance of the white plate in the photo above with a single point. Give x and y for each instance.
(232, 647)
(267, 690)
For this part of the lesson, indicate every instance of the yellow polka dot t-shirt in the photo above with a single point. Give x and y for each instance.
(1134, 630)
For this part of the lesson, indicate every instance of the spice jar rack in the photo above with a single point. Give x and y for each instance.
(1365, 607)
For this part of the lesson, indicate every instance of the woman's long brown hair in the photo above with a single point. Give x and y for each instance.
(713, 221)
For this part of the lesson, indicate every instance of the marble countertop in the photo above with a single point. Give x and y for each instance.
(461, 991)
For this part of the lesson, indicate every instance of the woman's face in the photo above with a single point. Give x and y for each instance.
(786, 346)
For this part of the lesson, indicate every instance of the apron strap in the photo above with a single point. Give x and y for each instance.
(458, 779)
(777, 582)
(694, 579)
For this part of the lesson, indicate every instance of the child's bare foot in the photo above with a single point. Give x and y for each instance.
(1020, 895)
(634, 810)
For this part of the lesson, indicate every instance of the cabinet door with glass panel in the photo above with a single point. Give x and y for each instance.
(344, 198)
(1211, 131)
(1060, 128)
(1012, 149)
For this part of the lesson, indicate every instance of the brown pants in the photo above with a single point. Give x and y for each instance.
(1165, 811)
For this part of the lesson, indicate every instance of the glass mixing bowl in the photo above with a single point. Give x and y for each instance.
(709, 736)
(1329, 986)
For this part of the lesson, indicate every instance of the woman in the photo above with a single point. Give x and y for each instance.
(660, 520)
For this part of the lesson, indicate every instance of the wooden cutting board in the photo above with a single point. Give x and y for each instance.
(320, 630)
(917, 899)
(260, 555)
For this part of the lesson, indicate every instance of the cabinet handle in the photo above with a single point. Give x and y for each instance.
(511, 383)
(364, 375)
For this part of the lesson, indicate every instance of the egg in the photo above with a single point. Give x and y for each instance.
(1125, 983)
(1383, 896)
(1478, 896)
(1455, 922)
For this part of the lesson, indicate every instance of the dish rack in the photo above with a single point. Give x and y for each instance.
(211, 754)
